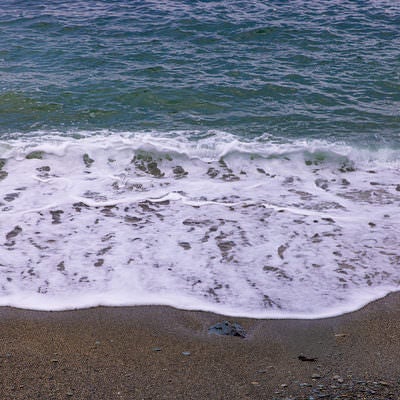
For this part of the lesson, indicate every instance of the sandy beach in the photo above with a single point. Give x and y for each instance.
(156, 352)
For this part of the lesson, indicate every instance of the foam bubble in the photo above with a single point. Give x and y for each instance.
(258, 228)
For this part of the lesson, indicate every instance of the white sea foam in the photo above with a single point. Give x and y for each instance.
(259, 228)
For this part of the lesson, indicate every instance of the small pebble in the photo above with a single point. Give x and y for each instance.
(316, 376)
(227, 328)
(156, 348)
(186, 353)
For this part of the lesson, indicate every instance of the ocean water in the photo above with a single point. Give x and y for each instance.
(235, 157)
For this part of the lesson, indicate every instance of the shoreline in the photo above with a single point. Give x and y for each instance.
(159, 352)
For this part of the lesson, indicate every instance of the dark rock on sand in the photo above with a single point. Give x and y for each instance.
(15, 232)
(301, 357)
(11, 196)
(179, 172)
(35, 155)
(185, 245)
(56, 216)
(45, 168)
(87, 160)
(3, 174)
(228, 329)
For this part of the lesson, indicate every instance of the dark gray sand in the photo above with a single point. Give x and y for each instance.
(163, 353)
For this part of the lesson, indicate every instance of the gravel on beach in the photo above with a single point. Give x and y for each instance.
(156, 352)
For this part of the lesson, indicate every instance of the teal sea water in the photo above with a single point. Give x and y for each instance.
(240, 157)
(319, 69)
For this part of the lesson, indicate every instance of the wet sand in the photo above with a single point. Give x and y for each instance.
(156, 352)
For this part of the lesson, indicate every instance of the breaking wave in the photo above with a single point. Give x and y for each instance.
(258, 228)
